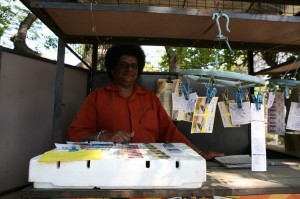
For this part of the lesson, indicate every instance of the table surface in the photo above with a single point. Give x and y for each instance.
(282, 177)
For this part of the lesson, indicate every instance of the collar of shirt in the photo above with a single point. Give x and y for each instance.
(137, 89)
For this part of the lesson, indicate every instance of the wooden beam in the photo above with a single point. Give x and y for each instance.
(282, 2)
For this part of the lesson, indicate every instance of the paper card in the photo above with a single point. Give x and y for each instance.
(197, 124)
(200, 106)
(225, 114)
(191, 102)
(204, 115)
(240, 116)
(258, 139)
(64, 156)
(293, 122)
(276, 115)
(183, 109)
(176, 101)
(164, 93)
(271, 98)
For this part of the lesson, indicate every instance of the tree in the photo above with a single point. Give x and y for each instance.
(85, 50)
(6, 15)
(19, 39)
(177, 58)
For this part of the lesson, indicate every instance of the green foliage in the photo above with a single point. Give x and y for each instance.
(50, 42)
(191, 57)
(6, 14)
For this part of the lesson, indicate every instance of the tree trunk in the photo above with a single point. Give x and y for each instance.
(174, 59)
(87, 56)
(19, 39)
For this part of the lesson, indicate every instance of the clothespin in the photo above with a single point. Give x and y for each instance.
(186, 89)
(180, 89)
(239, 97)
(258, 100)
(225, 97)
(247, 95)
(210, 90)
(287, 92)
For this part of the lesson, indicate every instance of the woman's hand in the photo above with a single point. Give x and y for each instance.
(117, 136)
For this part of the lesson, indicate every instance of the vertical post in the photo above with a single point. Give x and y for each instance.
(1, 51)
(94, 65)
(250, 62)
(58, 97)
(251, 90)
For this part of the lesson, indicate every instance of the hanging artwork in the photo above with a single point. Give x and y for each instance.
(240, 115)
(182, 108)
(204, 115)
(164, 93)
(293, 122)
(225, 114)
(276, 115)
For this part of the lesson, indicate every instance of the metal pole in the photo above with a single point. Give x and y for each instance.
(59, 81)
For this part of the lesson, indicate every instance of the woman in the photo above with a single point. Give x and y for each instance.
(122, 111)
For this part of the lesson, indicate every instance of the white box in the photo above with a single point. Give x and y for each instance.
(184, 168)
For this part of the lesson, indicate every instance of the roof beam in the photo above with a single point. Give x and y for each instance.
(283, 2)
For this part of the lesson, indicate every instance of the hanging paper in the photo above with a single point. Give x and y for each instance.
(183, 109)
(293, 122)
(164, 93)
(271, 98)
(225, 114)
(276, 115)
(258, 139)
(242, 115)
(204, 115)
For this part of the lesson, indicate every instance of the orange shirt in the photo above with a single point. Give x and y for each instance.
(142, 113)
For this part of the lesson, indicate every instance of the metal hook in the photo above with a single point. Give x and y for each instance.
(217, 15)
(221, 37)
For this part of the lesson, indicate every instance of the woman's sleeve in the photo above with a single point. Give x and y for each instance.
(85, 120)
(168, 131)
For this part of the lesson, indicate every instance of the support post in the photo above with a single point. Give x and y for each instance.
(58, 97)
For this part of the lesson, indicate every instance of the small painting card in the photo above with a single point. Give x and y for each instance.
(293, 122)
(225, 114)
(204, 115)
(258, 139)
(242, 115)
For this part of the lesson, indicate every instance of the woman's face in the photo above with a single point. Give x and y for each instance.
(126, 72)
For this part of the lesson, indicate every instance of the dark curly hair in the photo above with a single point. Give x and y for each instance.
(115, 52)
